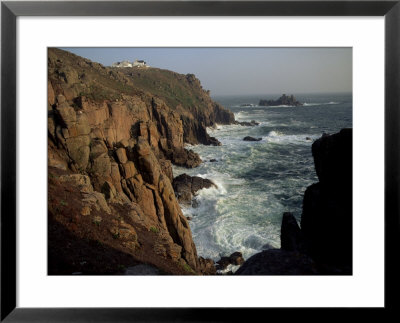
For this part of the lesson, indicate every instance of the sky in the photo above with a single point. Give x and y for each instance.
(244, 70)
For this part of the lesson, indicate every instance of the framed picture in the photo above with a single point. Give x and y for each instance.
(44, 154)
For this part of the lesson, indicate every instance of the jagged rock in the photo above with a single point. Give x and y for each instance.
(55, 159)
(214, 141)
(323, 245)
(109, 190)
(96, 200)
(78, 150)
(129, 170)
(283, 100)
(252, 123)
(101, 124)
(97, 148)
(235, 259)
(186, 186)
(221, 115)
(248, 138)
(291, 236)
(121, 154)
(166, 168)
(207, 266)
(81, 181)
(326, 221)
(185, 158)
(50, 94)
(333, 158)
(278, 262)
(65, 112)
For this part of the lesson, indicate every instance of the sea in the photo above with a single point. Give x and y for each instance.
(258, 181)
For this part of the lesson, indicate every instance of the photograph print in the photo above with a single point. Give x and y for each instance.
(200, 161)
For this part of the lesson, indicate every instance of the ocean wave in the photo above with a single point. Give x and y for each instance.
(230, 267)
(281, 138)
(321, 103)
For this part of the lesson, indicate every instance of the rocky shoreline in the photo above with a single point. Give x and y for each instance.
(111, 146)
(113, 201)
(323, 244)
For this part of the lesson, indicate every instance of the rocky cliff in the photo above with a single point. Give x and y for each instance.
(323, 245)
(113, 134)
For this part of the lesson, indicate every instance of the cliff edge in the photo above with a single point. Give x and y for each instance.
(112, 136)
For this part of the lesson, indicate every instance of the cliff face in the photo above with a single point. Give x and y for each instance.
(323, 245)
(123, 135)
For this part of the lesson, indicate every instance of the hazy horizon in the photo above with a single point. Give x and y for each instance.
(244, 70)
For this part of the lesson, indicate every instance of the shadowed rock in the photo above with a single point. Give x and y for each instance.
(291, 236)
(186, 186)
(248, 138)
(326, 222)
(235, 259)
(278, 262)
(323, 245)
(252, 123)
(283, 100)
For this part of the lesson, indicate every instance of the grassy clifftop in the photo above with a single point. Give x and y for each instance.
(175, 89)
(96, 82)
(113, 134)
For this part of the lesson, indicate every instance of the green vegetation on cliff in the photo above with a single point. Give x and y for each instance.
(113, 134)
(175, 89)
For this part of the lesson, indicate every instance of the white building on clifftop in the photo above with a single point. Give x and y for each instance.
(136, 63)
(139, 63)
(122, 64)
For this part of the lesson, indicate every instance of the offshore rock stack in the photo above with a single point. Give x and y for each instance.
(283, 100)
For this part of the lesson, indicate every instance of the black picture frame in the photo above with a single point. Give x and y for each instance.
(10, 10)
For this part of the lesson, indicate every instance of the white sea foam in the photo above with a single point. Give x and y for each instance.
(231, 268)
(257, 181)
(306, 104)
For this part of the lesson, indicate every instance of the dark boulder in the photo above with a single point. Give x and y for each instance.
(278, 262)
(195, 132)
(222, 115)
(291, 236)
(186, 186)
(333, 158)
(207, 266)
(283, 100)
(248, 138)
(213, 141)
(252, 123)
(213, 160)
(326, 221)
(184, 157)
(323, 245)
(235, 259)
(223, 263)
